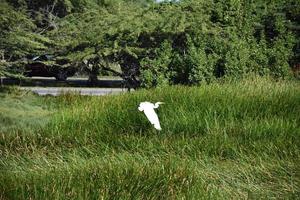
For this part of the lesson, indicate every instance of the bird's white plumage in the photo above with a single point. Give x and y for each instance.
(148, 109)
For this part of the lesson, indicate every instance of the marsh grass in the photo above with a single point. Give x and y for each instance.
(235, 140)
(21, 110)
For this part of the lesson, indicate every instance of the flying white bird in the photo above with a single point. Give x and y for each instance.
(148, 109)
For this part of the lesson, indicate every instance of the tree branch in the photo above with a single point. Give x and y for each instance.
(113, 71)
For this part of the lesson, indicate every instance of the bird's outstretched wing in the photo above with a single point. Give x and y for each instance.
(148, 109)
(153, 118)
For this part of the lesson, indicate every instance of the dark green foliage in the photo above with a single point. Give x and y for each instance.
(155, 71)
(202, 65)
(17, 39)
(206, 39)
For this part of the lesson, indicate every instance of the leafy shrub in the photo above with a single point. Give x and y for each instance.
(157, 44)
(155, 71)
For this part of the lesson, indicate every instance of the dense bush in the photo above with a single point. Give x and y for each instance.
(155, 72)
(156, 44)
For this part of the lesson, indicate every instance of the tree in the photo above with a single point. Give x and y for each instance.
(151, 44)
(18, 39)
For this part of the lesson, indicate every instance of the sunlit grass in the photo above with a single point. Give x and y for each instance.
(235, 140)
(21, 110)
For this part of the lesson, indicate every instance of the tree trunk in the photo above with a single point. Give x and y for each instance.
(93, 76)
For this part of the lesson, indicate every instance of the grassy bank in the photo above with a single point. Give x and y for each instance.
(219, 141)
(21, 110)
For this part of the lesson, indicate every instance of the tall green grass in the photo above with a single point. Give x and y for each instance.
(236, 140)
(21, 109)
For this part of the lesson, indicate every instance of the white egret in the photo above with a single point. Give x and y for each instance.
(148, 109)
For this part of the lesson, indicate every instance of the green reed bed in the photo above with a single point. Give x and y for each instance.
(234, 140)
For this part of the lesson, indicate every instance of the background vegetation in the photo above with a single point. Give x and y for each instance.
(236, 140)
(153, 44)
(232, 137)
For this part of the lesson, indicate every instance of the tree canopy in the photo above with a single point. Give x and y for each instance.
(151, 44)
